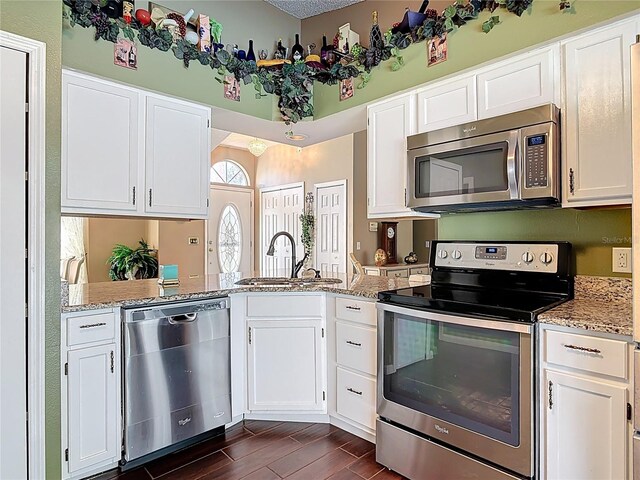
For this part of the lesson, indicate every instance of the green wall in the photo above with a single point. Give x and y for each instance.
(469, 46)
(162, 72)
(592, 232)
(42, 20)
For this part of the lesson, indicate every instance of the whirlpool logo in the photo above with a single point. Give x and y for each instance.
(470, 129)
(440, 429)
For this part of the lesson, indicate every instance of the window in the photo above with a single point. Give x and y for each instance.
(229, 172)
(229, 240)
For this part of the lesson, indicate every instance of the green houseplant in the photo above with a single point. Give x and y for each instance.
(128, 264)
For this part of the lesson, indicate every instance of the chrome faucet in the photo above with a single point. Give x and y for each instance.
(272, 250)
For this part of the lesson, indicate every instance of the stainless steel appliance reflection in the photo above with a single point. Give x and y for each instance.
(456, 367)
(177, 381)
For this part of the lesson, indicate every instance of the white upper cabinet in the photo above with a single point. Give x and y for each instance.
(519, 83)
(128, 152)
(101, 137)
(389, 124)
(176, 158)
(446, 104)
(597, 117)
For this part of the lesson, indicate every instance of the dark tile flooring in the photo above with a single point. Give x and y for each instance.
(259, 450)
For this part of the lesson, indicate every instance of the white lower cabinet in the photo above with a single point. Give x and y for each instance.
(584, 402)
(586, 428)
(352, 354)
(285, 365)
(91, 436)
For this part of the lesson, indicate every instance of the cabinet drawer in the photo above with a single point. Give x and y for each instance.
(591, 354)
(91, 328)
(356, 397)
(356, 347)
(419, 271)
(284, 306)
(356, 311)
(401, 273)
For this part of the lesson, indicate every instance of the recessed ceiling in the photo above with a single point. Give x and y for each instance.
(234, 140)
(309, 8)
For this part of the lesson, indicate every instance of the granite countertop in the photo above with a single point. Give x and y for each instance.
(601, 304)
(90, 296)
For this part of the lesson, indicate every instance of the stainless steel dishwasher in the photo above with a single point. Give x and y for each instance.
(177, 379)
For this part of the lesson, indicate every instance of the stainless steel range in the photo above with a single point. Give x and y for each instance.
(456, 361)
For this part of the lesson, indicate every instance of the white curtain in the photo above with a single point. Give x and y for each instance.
(72, 242)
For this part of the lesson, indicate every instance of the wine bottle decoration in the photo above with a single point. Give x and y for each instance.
(280, 52)
(251, 56)
(375, 37)
(297, 51)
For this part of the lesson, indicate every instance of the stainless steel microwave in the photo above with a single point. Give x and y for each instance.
(501, 163)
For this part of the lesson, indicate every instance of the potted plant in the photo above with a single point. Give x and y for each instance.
(129, 264)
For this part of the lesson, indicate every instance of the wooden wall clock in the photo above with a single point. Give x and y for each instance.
(388, 240)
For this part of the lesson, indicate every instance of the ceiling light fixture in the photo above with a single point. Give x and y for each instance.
(296, 137)
(257, 147)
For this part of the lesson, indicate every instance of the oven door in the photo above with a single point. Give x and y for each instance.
(467, 382)
(483, 169)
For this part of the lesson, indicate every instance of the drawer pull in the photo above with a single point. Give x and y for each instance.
(582, 349)
(92, 325)
(349, 389)
(349, 307)
(349, 342)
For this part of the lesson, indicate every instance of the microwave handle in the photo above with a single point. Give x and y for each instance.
(512, 164)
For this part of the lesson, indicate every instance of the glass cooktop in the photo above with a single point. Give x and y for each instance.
(499, 304)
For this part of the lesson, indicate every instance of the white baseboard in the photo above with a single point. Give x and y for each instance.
(359, 431)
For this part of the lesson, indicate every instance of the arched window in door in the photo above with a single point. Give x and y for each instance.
(229, 240)
(229, 172)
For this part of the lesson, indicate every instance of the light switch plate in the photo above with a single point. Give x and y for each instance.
(621, 260)
(357, 245)
(373, 226)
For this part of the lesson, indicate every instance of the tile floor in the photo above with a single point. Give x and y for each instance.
(260, 450)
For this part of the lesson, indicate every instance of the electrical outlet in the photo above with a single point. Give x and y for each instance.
(194, 240)
(621, 262)
(373, 226)
(357, 245)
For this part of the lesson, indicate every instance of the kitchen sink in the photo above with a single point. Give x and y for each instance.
(286, 282)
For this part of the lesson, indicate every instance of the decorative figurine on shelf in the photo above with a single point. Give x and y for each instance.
(411, 258)
(127, 11)
(380, 258)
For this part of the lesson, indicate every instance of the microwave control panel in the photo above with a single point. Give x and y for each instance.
(536, 164)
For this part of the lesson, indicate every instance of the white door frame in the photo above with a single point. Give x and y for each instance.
(36, 247)
(275, 188)
(345, 220)
(252, 220)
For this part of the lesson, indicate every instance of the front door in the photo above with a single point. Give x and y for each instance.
(230, 230)
(13, 278)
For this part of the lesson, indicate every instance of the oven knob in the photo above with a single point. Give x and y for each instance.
(442, 254)
(527, 257)
(546, 258)
(456, 255)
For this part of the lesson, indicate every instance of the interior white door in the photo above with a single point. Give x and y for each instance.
(13, 352)
(230, 230)
(331, 227)
(280, 210)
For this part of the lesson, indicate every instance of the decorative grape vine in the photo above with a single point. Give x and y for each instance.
(293, 83)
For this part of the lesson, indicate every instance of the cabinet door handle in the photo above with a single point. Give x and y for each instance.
(150, 195)
(134, 195)
(349, 389)
(112, 362)
(349, 307)
(572, 189)
(583, 349)
(349, 342)
(550, 395)
(93, 325)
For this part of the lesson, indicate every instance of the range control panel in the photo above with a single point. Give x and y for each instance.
(519, 257)
(536, 161)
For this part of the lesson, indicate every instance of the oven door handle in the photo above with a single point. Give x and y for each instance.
(512, 164)
(456, 320)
